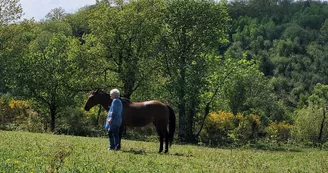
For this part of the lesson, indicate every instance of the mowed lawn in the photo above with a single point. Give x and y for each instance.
(32, 152)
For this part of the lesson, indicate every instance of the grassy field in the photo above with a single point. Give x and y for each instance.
(31, 152)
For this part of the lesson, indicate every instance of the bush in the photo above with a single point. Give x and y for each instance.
(307, 125)
(247, 129)
(13, 114)
(217, 127)
(279, 132)
(222, 128)
(73, 121)
(34, 122)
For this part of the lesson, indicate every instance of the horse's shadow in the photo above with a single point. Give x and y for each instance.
(143, 152)
(134, 151)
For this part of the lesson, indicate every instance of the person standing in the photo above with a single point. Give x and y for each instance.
(114, 120)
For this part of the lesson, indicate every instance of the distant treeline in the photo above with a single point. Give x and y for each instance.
(234, 71)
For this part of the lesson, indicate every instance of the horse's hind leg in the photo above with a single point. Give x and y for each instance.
(161, 137)
(166, 136)
(120, 137)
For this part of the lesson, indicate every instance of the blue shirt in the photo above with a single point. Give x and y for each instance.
(115, 112)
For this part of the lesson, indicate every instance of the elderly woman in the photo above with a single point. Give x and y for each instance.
(114, 120)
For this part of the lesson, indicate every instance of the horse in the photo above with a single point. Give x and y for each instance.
(139, 114)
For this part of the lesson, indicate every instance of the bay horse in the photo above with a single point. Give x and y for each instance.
(139, 114)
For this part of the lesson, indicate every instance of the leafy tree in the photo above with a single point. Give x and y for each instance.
(46, 74)
(79, 22)
(56, 14)
(319, 98)
(10, 11)
(129, 33)
(193, 29)
(311, 122)
(14, 44)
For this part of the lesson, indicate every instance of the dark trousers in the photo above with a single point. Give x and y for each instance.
(114, 138)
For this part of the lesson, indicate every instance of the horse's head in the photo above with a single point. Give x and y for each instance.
(97, 97)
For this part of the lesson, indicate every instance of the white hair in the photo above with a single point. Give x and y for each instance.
(115, 92)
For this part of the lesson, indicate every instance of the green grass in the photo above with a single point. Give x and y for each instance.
(32, 152)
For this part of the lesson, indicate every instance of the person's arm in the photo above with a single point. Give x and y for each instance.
(109, 116)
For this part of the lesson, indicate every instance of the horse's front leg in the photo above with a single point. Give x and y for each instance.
(120, 136)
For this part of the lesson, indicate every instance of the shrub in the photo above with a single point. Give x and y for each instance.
(223, 128)
(217, 127)
(13, 114)
(74, 121)
(307, 125)
(247, 129)
(279, 132)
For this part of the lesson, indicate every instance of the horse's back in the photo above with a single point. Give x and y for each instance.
(138, 114)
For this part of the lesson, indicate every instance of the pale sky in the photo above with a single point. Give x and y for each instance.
(40, 8)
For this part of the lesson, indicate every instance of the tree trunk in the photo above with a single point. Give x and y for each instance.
(322, 125)
(53, 118)
(185, 124)
(192, 113)
(185, 128)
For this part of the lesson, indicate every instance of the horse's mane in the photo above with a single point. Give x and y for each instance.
(121, 98)
(125, 100)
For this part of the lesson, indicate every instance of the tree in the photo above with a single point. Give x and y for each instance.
(129, 33)
(311, 122)
(56, 14)
(319, 98)
(192, 30)
(10, 11)
(46, 75)
(14, 41)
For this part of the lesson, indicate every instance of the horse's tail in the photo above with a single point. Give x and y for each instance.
(171, 124)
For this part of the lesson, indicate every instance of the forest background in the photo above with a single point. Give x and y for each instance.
(235, 72)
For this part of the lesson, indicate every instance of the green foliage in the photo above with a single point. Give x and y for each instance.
(307, 124)
(14, 43)
(222, 128)
(56, 14)
(192, 32)
(72, 121)
(218, 126)
(46, 74)
(279, 132)
(311, 122)
(129, 33)
(13, 114)
(10, 10)
(266, 61)
(248, 129)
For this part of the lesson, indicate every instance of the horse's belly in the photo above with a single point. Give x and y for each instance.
(136, 121)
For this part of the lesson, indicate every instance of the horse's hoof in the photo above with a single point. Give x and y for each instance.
(166, 151)
(160, 151)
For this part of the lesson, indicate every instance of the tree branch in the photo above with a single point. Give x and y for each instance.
(207, 108)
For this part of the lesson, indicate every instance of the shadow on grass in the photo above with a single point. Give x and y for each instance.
(134, 151)
(276, 147)
(143, 152)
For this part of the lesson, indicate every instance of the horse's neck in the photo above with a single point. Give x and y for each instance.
(105, 102)
(105, 106)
